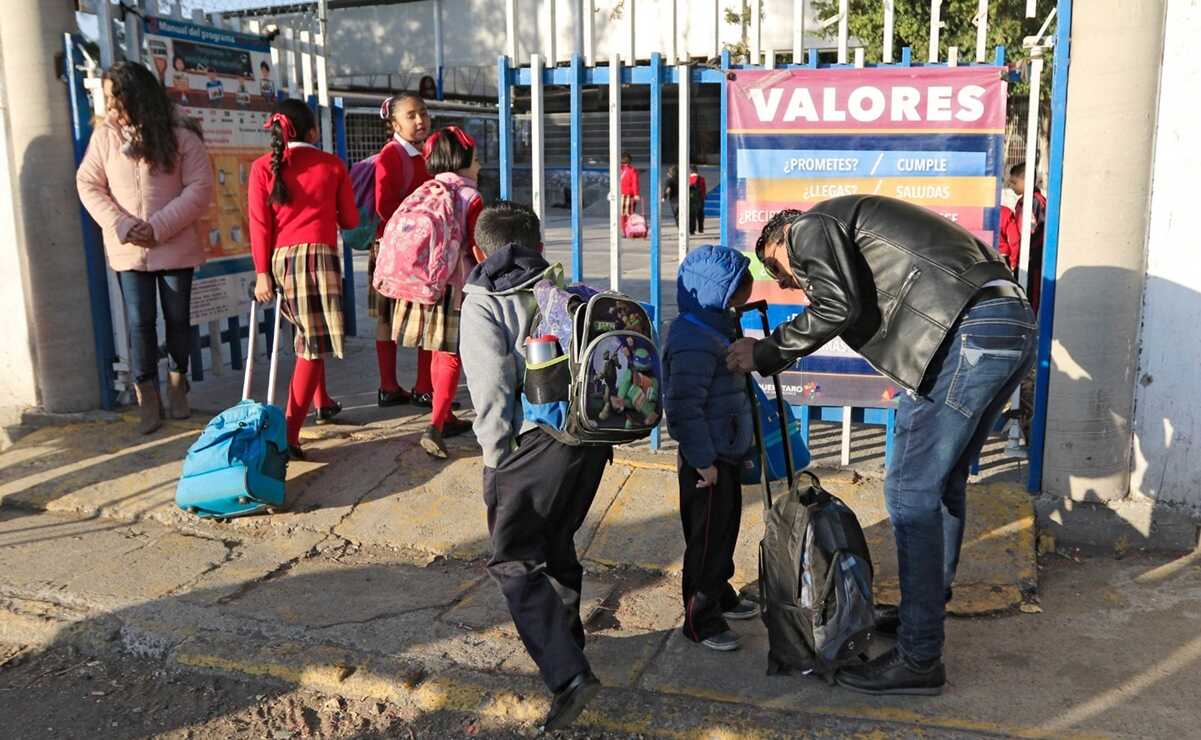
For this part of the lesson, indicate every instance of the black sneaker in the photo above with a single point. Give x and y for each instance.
(432, 443)
(398, 397)
(746, 609)
(891, 673)
(426, 401)
(295, 453)
(723, 642)
(570, 701)
(326, 414)
(454, 427)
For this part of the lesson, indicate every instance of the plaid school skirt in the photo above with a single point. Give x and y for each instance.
(378, 306)
(310, 278)
(435, 327)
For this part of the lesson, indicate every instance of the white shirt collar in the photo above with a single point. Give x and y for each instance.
(409, 148)
(294, 144)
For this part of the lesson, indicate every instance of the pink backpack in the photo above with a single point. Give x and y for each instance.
(423, 241)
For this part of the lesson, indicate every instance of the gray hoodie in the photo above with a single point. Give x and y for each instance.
(497, 316)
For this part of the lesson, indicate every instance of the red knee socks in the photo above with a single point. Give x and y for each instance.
(425, 383)
(446, 369)
(321, 397)
(305, 379)
(385, 352)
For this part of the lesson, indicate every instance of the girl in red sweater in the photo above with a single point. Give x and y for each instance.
(299, 197)
(450, 156)
(399, 169)
(630, 189)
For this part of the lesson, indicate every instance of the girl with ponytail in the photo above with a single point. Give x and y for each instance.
(299, 196)
(399, 169)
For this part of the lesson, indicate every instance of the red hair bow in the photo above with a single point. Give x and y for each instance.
(285, 126)
(463, 137)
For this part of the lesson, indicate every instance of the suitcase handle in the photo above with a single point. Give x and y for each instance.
(254, 330)
(785, 440)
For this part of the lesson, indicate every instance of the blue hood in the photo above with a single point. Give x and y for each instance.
(709, 277)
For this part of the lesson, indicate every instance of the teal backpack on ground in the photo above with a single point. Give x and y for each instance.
(240, 463)
(606, 385)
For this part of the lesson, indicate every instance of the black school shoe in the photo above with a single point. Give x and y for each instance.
(326, 414)
(454, 427)
(295, 453)
(426, 401)
(431, 442)
(891, 673)
(570, 701)
(398, 397)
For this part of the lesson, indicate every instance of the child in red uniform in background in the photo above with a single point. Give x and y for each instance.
(451, 158)
(299, 196)
(399, 169)
(1011, 232)
(630, 190)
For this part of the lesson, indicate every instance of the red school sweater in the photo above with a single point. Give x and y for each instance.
(320, 201)
(398, 172)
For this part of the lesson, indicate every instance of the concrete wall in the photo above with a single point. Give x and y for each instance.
(1167, 430)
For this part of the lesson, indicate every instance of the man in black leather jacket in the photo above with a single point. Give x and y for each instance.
(935, 310)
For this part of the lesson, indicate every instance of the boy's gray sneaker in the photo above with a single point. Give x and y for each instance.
(722, 642)
(746, 609)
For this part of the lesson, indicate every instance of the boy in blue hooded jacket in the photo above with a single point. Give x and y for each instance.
(709, 415)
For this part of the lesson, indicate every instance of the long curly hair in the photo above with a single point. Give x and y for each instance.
(152, 115)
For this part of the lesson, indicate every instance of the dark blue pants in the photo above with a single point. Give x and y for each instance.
(174, 290)
(939, 431)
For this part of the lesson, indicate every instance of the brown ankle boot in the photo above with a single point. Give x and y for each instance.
(177, 396)
(150, 408)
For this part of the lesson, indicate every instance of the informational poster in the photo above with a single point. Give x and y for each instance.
(931, 136)
(223, 80)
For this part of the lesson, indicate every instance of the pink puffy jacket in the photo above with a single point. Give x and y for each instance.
(118, 190)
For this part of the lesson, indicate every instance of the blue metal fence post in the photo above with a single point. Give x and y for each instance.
(504, 122)
(656, 164)
(1046, 308)
(577, 168)
(93, 247)
(349, 320)
(890, 426)
(727, 175)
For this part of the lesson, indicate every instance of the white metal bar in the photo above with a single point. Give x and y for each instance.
(889, 17)
(631, 46)
(673, 47)
(578, 6)
(682, 190)
(322, 73)
(306, 62)
(952, 56)
(1036, 77)
(438, 40)
(860, 54)
(769, 58)
(589, 33)
(216, 354)
(798, 31)
(248, 375)
(1031, 8)
(289, 52)
(615, 172)
(846, 436)
(843, 29)
(271, 375)
(537, 139)
(982, 30)
(511, 28)
(756, 39)
(718, 21)
(552, 33)
(108, 33)
(935, 28)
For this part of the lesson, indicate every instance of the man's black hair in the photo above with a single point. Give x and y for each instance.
(774, 230)
(506, 222)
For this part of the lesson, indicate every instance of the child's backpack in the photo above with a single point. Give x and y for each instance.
(606, 386)
(635, 226)
(362, 182)
(422, 242)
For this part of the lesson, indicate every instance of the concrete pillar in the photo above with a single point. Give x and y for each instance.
(44, 297)
(1112, 93)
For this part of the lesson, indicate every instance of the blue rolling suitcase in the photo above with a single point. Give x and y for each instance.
(239, 464)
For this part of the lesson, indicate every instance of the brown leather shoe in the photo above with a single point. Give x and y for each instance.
(177, 396)
(150, 408)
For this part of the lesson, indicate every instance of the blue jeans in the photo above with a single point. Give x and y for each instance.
(174, 290)
(939, 431)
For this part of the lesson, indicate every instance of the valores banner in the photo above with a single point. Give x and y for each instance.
(933, 136)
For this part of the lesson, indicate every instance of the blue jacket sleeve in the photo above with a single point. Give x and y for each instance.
(690, 372)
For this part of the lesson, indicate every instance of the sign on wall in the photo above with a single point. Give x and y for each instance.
(933, 136)
(222, 79)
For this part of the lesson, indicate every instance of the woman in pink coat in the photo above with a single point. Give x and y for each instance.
(146, 179)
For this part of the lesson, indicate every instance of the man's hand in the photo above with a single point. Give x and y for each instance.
(264, 288)
(741, 356)
(142, 234)
(708, 477)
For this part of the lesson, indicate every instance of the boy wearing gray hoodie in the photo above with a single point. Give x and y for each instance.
(537, 489)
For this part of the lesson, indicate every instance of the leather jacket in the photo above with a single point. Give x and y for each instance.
(889, 277)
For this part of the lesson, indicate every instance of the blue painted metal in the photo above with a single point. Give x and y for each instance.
(727, 172)
(505, 128)
(577, 167)
(1046, 312)
(890, 426)
(349, 320)
(802, 414)
(812, 58)
(999, 57)
(235, 343)
(93, 246)
(197, 355)
(656, 165)
(906, 56)
(438, 84)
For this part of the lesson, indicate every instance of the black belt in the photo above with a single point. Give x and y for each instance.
(1008, 290)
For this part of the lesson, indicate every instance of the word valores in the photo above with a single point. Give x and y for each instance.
(867, 104)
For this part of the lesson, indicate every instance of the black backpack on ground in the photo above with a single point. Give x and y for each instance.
(815, 570)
